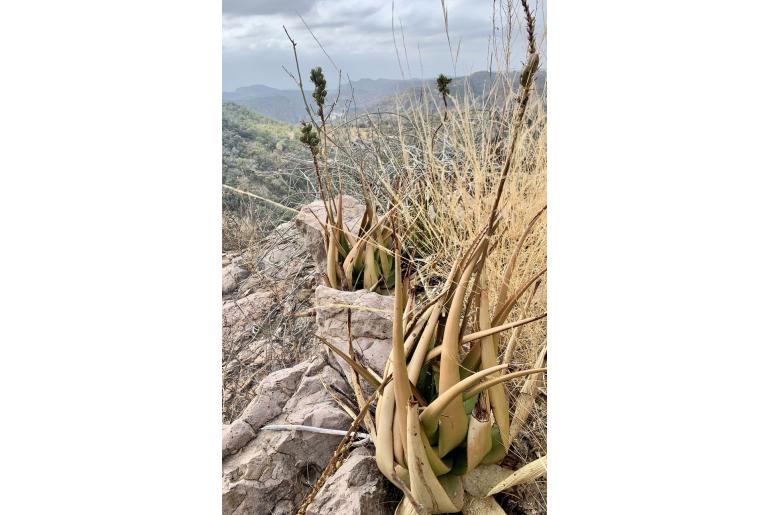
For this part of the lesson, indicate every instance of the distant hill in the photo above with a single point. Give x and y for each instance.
(283, 105)
(481, 82)
(478, 84)
(287, 105)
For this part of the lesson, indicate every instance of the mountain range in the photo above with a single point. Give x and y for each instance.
(287, 105)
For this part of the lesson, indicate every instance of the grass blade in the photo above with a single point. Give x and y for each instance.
(501, 379)
(526, 474)
(526, 399)
(352, 362)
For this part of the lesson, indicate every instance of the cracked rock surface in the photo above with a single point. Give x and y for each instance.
(357, 488)
(263, 288)
(232, 274)
(272, 471)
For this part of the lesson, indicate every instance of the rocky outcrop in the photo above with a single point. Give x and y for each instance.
(283, 253)
(357, 488)
(240, 316)
(272, 395)
(232, 272)
(272, 471)
(260, 330)
(371, 324)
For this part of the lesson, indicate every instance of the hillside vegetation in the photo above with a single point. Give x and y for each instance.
(264, 157)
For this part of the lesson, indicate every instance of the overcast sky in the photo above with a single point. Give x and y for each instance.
(357, 35)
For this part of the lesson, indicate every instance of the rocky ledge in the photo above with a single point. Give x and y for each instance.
(266, 471)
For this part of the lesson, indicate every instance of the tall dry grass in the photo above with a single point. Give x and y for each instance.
(444, 173)
(434, 161)
(437, 165)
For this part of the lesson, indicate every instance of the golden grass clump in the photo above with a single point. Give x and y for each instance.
(452, 169)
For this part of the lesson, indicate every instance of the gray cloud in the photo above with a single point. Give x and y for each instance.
(358, 36)
(258, 7)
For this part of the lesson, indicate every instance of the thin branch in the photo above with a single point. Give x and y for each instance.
(298, 79)
(313, 429)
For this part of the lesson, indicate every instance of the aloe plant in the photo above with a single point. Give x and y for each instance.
(463, 431)
(353, 261)
(445, 456)
(457, 469)
(362, 260)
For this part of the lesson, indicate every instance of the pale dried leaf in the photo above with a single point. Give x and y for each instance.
(525, 474)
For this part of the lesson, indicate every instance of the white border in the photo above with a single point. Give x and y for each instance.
(658, 266)
(658, 258)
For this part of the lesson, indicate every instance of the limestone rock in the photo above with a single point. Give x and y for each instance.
(241, 315)
(274, 471)
(232, 275)
(356, 488)
(283, 252)
(260, 332)
(235, 436)
(272, 394)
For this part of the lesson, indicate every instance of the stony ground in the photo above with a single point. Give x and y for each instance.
(274, 372)
(264, 290)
